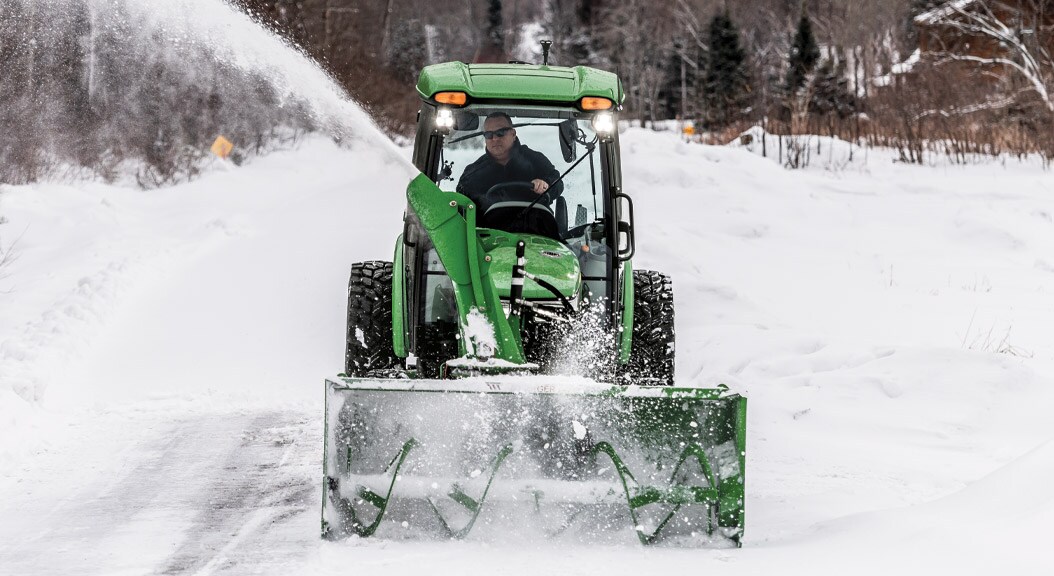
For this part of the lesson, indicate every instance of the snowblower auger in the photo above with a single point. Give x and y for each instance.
(509, 368)
(515, 456)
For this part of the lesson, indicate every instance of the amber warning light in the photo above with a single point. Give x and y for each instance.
(594, 103)
(452, 98)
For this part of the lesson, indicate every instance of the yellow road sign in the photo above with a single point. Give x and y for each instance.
(222, 147)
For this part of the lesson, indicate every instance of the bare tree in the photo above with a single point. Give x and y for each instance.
(1020, 34)
(798, 142)
(87, 86)
(636, 37)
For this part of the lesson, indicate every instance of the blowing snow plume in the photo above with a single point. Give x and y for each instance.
(144, 87)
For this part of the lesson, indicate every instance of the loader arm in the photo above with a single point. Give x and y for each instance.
(463, 257)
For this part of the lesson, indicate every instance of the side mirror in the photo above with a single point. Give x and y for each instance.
(465, 121)
(568, 138)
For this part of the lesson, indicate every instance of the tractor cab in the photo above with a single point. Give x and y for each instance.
(581, 227)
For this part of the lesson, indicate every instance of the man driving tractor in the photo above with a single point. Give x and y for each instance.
(507, 160)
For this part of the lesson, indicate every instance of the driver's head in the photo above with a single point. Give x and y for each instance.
(500, 136)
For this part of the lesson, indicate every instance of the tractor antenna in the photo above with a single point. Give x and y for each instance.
(546, 44)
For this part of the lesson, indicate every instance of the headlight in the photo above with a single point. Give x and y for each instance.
(604, 123)
(445, 119)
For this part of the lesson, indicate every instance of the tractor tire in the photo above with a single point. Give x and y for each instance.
(369, 344)
(651, 359)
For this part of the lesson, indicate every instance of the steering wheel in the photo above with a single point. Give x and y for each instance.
(511, 191)
(516, 218)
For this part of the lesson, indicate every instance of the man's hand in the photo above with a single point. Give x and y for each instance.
(539, 186)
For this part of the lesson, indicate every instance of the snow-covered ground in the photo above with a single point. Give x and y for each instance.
(162, 356)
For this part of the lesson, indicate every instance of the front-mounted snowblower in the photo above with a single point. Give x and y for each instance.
(510, 373)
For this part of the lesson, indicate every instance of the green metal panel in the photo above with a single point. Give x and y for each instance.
(627, 312)
(735, 510)
(398, 301)
(545, 257)
(519, 82)
(455, 239)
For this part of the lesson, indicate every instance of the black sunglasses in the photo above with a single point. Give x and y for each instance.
(499, 133)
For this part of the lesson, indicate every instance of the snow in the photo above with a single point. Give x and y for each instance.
(162, 357)
(905, 67)
(227, 34)
(581, 430)
(936, 15)
(479, 335)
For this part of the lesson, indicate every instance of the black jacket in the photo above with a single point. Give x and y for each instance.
(524, 165)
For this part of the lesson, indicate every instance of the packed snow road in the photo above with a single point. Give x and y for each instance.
(162, 357)
(193, 495)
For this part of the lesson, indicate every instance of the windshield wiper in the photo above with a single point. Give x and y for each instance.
(589, 154)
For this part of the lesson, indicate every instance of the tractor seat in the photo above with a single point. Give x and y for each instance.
(506, 216)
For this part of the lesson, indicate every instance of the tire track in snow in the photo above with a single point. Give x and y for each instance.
(261, 503)
(200, 496)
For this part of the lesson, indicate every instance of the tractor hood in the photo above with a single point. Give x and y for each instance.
(545, 258)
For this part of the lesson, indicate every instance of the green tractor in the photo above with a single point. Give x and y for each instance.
(509, 372)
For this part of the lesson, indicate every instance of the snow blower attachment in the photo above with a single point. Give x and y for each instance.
(515, 456)
(510, 372)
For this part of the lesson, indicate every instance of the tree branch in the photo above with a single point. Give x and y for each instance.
(983, 22)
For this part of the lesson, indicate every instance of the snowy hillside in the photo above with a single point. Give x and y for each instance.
(162, 356)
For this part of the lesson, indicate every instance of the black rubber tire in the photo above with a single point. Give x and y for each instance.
(369, 342)
(651, 358)
(436, 343)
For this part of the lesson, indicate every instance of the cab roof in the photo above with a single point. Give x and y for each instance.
(523, 82)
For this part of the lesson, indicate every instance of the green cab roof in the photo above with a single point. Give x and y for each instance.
(519, 82)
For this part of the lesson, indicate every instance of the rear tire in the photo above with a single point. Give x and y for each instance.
(369, 334)
(651, 358)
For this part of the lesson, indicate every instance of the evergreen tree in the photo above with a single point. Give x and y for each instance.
(407, 50)
(726, 85)
(684, 73)
(831, 92)
(568, 23)
(495, 34)
(803, 55)
(492, 48)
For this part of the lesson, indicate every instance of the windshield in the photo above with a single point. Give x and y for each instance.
(537, 153)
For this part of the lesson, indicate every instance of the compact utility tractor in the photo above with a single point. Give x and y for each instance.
(509, 373)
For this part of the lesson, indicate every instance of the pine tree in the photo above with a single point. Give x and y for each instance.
(685, 66)
(831, 92)
(495, 34)
(492, 48)
(568, 24)
(407, 50)
(726, 85)
(803, 56)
